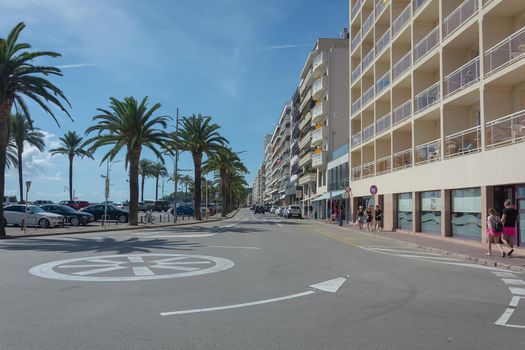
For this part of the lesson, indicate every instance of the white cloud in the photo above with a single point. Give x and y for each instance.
(283, 46)
(76, 65)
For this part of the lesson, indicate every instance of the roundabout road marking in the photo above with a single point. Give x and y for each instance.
(131, 267)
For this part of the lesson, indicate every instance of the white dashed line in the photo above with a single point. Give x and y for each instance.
(502, 321)
(517, 291)
(504, 274)
(513, 282)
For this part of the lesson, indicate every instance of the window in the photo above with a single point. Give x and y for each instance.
(404, 211)
(466, 213)
(431, 212)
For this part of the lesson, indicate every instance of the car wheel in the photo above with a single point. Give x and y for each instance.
(44, 223)
(122, 218)
(73, 221)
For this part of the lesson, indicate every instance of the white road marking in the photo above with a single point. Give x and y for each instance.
(517, 291)
(505, 274)
(502, 321)
(101, 270)
(279, 225)
(142, 271)
(428, 257)
(135, 258)
(513, 281)
(515, 301)
(331, 286)
(404, 251)
(180, 236)
(233, 247)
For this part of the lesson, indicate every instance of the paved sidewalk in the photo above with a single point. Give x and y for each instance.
(467, 250)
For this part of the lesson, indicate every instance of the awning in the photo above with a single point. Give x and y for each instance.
(327, 195)
(311, 198)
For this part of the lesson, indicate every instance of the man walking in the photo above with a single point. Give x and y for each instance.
(509, 225)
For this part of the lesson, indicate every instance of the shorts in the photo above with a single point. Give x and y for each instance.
(509, 231)
(361, 219)
(369, 219)
(492, 233)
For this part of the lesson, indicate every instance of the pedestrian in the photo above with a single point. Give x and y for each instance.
(508, 219)
(360, 217)
(494, 231)
(369, 215)
(378, 223)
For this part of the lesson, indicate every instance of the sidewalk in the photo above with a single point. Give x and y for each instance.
(468, 250)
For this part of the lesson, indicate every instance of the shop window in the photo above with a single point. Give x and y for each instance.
(404, 211)
(431, 212)
(466, 213)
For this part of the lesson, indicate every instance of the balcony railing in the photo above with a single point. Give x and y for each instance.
(369, 169)
(486, 2)
(317, 111)
(307, 120)
(506, 52)
(318, 62)
(356, 73)
(402, 159)
(368, 95)
(356, 139)
(463, 142)
(402, 65)
(506, 130)
(401, 20)
(380, 6)
(356, 106)
(368, 59)
(402, 112)
(428, 152)
(356, 8)
(318, 88)
(318, 159)
(383, 82)
(418, 4)
(367, 25)
(356, 173)
(356, 40)
(459, 16)
(368, 132)
(383, 41)
(462, 77)
(383, 123)
(430, 41)
(384, 165)
(317, 136)
(305, 140)
(427, 98)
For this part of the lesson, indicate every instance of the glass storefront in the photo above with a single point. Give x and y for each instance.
(466, 213)
(404, 211)
(431, 212)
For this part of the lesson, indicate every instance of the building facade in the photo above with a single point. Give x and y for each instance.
(437, 112)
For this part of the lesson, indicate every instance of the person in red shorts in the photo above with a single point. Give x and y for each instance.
(494, 228)
(509, 218)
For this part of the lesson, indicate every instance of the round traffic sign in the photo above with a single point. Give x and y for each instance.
(373, 190)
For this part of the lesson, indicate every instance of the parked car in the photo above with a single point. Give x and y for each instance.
(161, 205)
(259, 209)
(71, 216)
(146, 205)
(9, 200)
(183, 209)
(36, 216)
(252, 208)
(113, 213)
(279, 211)
(283, 212)
(293, 211)
(272, 209)
(75, 204)
(40, 202)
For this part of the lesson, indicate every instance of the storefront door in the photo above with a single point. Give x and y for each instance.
(521, 222)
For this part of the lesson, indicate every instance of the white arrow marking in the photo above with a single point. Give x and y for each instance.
(331, 286)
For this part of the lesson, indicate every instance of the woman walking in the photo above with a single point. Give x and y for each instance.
(508, 220)
(369, 215)
(494, 230)
(360, 218)
(378, 216)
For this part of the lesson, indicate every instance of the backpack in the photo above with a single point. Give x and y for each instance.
(497, 226)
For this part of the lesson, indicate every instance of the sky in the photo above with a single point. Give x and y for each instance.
(236, 60)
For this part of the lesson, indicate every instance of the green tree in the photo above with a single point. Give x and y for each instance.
(145, 166)
(198, 135)
(20, 78)
(130, 125)
(158, 170)
(187, 181)
(22, 131)
(71, 145)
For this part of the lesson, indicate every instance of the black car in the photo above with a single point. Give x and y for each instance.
(72, 216)
(259, 209)
(161, 205)
(113, 213)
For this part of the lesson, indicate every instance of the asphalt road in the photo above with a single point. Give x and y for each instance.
(253, 282)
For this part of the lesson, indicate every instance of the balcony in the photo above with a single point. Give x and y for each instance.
(459, 16)
(486, 2)
(383, 82)
(356, 106)
(368, 132)
(318, 159)
(368, 95)
(401, 20)
(356, 73)
(307, 179)
(428, 152)
(368, 169)
(306, 100)
(319, 65)
(356, 173)
(383, 41)
(318, 112)
(367, 25)
(319, 88)
(317, 136)
(383, 123)
(356, 41)
(426, 44)
(402, 160)
(402, 112)
(305, 83)
(305, 159)
(462, 77)
(380, 7)
(506, 52)
(384, 165)
(355, 9)
(506, 130)
(427, 98)
(463, 142)
(369, 58)
(306, 121)
(402, 65)
(418, 4)
(305, 140)
(356, 139)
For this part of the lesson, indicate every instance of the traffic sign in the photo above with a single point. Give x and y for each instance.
(373, 190)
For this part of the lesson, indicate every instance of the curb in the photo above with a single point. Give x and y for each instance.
(471, 259)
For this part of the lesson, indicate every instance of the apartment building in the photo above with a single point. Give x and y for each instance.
(323, 118)
(437, 121)
(293, 191)
(258, 186)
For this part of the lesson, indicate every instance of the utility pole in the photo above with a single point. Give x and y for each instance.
(106, 194)
(175, 174)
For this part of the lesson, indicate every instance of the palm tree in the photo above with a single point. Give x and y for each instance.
(11, 160)
(199, 136)
(19, 77)
(226, 163)
(186, 180)
(158, 169)
(131, 125)
(145, 166)
(72, 146)
(22, 131)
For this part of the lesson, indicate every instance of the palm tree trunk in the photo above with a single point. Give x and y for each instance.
(197, 161)
(134, 158)
(224, 209)
(20, 175)
(70, 177)
(142, 188)
(186, 193)
(4, 137)
(156, 188)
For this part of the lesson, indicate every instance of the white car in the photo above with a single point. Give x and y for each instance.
(36, 216)
(293, 211)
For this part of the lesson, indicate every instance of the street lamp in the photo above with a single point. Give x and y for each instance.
(106, 187)
(28, 186)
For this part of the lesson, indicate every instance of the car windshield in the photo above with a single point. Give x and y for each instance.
(68, 209)
(36, 209)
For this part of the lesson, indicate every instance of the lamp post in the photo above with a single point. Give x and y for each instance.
(175, 173)
(106, 188)
(28, 186)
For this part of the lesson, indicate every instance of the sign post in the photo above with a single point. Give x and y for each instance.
(373, 190)
(28, 186)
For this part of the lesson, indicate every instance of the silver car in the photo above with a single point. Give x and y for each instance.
(293, 211)
(36, 216)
